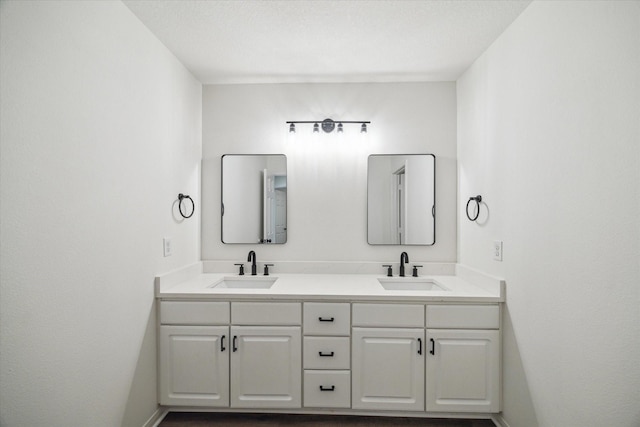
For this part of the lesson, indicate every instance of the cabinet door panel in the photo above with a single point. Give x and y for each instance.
(388, 315)
(194, 365)
(194, 313)
(463, 373)
(266, 313)
(388, 369)
(266, 367)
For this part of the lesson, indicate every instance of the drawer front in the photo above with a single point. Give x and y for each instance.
(266, 313)
(388, 315)
(327, 389)
(327, 318)
(463, 316)
(194, 313)
(326, 353)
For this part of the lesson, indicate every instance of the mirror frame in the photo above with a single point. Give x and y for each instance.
(222, 202)
(433, 208)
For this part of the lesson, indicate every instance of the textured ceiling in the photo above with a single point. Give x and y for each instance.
(326, 41)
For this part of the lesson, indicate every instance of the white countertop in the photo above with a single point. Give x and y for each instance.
(361, 287)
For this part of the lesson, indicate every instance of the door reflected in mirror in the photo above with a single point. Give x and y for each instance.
(401, 199)
(254, 198)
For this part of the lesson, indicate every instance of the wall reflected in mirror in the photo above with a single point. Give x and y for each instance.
(254, 198)
(401, 199)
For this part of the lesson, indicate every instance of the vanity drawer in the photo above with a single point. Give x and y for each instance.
(327, 389)
(463, 316)
(326, 353)
(322, 318)
(194, 313)
(266, 313)
(388, 315)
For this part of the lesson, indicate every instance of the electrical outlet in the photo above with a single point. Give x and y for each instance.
(497, 250)
(168, 247)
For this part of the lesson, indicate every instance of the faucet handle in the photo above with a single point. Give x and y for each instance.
(415, 270)
(241, 272)
(266, 269)
(389, 270)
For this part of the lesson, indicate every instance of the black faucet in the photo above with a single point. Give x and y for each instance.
(403, 258)
(252, 258)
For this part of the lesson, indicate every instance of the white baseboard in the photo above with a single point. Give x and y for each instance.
(499, 421)
(155, 418)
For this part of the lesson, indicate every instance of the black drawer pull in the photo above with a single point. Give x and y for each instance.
(420, 346)
(234, 344)
(322, 319)
(222, 348)
(323, 388)
(321, 354)
(433, 346)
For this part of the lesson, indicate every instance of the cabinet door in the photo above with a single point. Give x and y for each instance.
(463, 370)
(388, 369)
(266, 367)
(194, 365)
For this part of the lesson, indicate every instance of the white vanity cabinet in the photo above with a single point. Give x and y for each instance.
(194, 353)
(388, 351)
(266, 361)
(463, 358)
(255, 362)
(360, 354)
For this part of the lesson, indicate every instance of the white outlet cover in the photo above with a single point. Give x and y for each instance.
(167, 246)
(497, 250)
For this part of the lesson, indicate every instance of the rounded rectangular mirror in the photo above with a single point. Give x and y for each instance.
(401, 199)
(254, 198)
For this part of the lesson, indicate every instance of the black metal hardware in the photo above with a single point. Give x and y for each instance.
(235, 343)
(322, 319)
(181, 197)
(433, 346)
(404, 257)
(321, 354)
(241, 272)
(252, 258)
(419, 345)
(222, 348)
(415, 270)
(266, 269)
(389, 270)
(478, 200)
(323, 388)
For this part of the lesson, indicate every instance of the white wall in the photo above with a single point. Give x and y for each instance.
(327, 177)
(549, 135)
(101, 129)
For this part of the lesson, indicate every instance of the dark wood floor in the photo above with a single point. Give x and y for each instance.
(191, 419)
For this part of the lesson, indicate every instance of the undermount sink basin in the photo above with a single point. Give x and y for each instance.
(410, 284)
(259, 282)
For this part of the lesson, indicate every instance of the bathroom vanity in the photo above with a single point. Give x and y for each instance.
(331, 343)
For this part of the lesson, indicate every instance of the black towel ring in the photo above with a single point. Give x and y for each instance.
(477, 199)
(181, 197)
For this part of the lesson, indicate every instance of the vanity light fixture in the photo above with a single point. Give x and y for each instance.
(328, 125)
